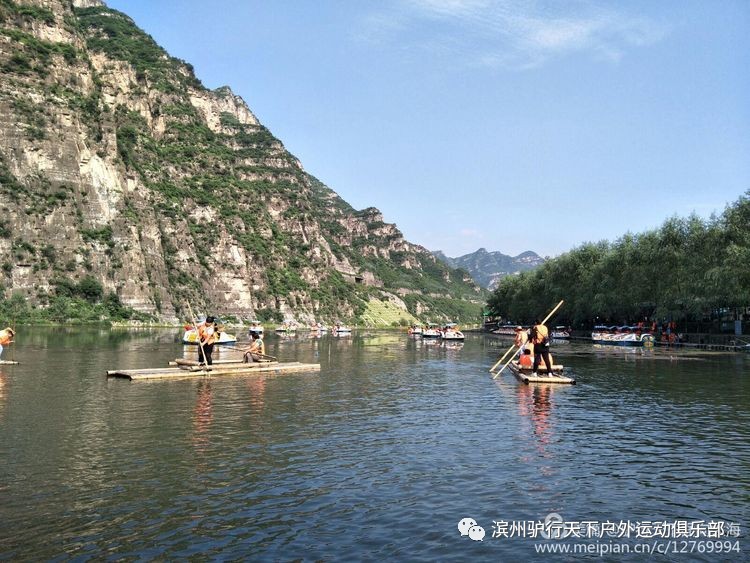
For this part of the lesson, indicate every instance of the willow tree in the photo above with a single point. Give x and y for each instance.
(680, 271)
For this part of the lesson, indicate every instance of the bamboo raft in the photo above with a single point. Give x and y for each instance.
(190, 368)
(524, 374)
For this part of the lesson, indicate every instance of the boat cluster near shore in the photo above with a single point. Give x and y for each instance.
(617, 335)
(449, 331)
(291, 327)
(190, 336)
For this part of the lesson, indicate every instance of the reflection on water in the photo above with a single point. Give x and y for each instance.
(625, 352)
(256, 387)
(3, 391)
(395, 440)
(202, 416)
(534, 402)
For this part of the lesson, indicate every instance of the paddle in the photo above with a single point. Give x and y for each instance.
(200, 342)
(552, 312)
(265, 356)
(234, 347)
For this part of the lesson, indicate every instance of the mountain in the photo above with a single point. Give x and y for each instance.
(123, 180)
(440, 255)
(487, 268)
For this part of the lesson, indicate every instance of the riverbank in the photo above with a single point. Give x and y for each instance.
(713, 342)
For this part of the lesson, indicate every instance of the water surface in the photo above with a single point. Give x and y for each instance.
(378, 455)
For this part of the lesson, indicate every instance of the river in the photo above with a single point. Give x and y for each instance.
(377, 456)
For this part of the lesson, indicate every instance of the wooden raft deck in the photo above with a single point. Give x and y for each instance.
(181, 362)
(236, 368)
(524, 375)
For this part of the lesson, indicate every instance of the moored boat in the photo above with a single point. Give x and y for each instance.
(286, 328)
(255, 328)
(561, 333)
(190, 336)
(415, 330)
(431, 331)
(341, 329)
(451, 332)
(526, 375)
(621, 336)
(505, 330)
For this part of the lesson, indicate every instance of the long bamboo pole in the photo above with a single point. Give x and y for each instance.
(552, 312)
(508, 362)
(234, 347)
(13, 350)
(497, 363)
(200, 342)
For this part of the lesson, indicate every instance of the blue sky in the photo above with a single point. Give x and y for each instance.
(505, 124)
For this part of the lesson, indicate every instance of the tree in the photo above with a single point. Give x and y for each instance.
(680, 271)
(90, 289)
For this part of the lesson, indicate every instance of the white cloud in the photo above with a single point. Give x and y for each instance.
(512, 33)
(562, 33)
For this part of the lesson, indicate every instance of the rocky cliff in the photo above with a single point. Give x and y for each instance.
(117, 165)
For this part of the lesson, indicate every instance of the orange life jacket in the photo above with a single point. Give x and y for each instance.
(206, 333)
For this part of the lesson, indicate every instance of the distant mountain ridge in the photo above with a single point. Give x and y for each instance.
(487, 268)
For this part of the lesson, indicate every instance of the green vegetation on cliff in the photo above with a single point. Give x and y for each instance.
(84, 301)
(10, 10)
(125, 170)
(112, 32)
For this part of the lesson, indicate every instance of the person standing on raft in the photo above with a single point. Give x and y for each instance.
(540, 339)
(6, 337)
(207, 335)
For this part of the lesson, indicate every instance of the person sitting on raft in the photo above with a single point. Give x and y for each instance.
(256, 350)
(522, 340)
(525, 361)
